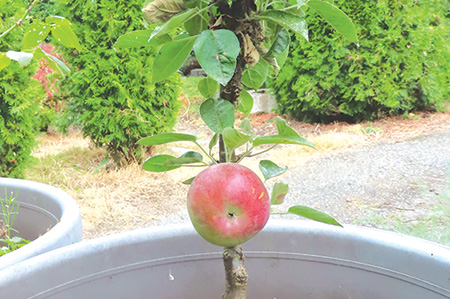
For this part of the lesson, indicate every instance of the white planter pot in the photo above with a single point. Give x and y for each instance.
(289, 259)
(48, 216)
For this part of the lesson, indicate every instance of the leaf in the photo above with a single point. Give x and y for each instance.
(186, 158)
(335, 17)
(270, 169)
(216, 52)
(35, 35)
(53, 61)
(157, 164)
(276, 139)
(233, 138)
(281, 58)
(4, 61)
(170, 58)
(188, 181)
(23, 58)
(286, 135)
(246, 126)
(164, 138)
(140, 38)
(256, 76)
(280, 44)
(196, 24)
(217, 114)
(279, 192)
(245, 102)
(208, 87)
(286, 19)
(173, 23)
(213, 141)
(160, 11)
(62, 32)
(283, 128)
(313, 214)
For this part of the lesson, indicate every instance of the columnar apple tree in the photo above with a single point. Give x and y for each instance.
(238, 43)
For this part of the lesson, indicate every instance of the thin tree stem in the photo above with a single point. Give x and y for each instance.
(235, 273)
(20, 20)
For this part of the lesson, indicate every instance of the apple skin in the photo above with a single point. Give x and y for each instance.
(228, 204)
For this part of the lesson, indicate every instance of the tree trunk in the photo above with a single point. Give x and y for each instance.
(235, 273)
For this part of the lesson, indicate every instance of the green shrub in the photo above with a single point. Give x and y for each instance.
(401, 64)
(112, 97)
(19, 99)
(18, 107)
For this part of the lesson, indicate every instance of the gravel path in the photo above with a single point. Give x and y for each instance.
(402, 177)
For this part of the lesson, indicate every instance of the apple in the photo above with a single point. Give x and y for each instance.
(228, 204)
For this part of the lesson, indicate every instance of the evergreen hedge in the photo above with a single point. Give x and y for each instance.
(112, 97)
(401, 63)
(20, 98)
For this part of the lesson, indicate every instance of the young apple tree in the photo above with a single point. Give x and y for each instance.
(236, 42)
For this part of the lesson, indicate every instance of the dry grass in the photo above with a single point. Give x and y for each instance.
(113, 200)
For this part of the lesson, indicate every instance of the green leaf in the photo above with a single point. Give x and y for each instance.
(335, 17)
(279, 192)
(245, 126)
(233, 138)
(245, 103)
(160, 11)
(4, 61)
(216, 52)
(196, 24)
(57, 20)
(208, 87)
(140, 38)
(213, 141)
(35, 34)
(62, 32)
(281, 58)
(158, 163)
(313, 214)
(276, 139)
(256, 76)
(170, 58)
(164, 138)
(23, 58)
(174, 22)
(270, 169)
(286, 19)
(53, 61)
(283, 128)
(280, 44)
(286, 135)
(217, 114)
(186, 158)
(188, 181)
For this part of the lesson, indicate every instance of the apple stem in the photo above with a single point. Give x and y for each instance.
(235, 273)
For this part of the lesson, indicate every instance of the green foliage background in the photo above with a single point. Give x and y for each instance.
(112, 97)
(401, 64)
(20, 98)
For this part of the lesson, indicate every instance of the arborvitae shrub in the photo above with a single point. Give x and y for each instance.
(18, 107)
(401, 64)
(20, 98)
(111, 95)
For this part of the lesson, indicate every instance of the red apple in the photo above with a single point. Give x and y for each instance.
(228, 204)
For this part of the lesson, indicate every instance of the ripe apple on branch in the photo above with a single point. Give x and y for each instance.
(237, 43)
